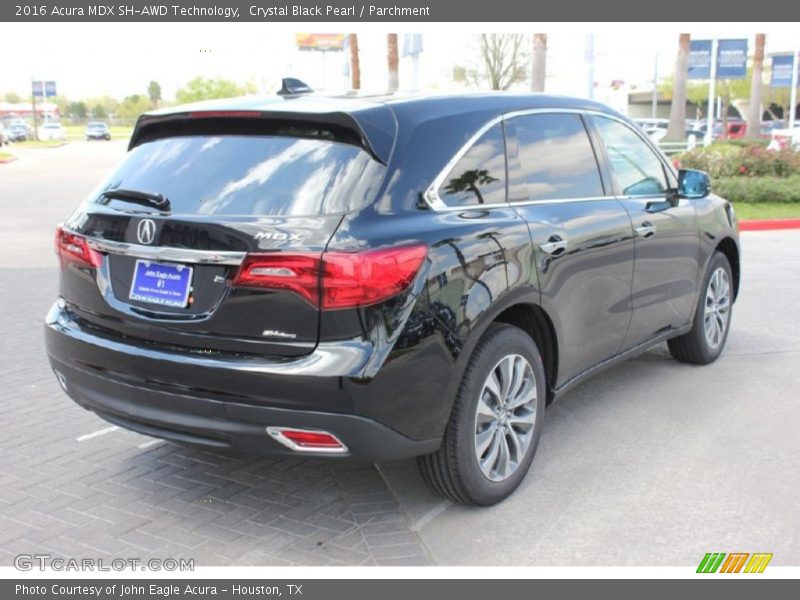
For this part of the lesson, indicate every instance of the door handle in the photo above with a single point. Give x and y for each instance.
(646, 230)
(555, 246)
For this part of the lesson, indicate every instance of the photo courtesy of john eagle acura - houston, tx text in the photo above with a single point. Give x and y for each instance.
(382, 278)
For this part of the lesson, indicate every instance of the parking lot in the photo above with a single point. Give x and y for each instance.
(651, 463)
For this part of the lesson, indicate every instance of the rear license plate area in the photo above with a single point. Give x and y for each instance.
(162, 284)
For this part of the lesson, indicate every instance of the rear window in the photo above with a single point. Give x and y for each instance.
(249, 175)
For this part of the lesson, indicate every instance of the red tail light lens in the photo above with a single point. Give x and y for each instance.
(336, 280)
(72, 248)
(307, 439)
(298, 273)
(368, 277)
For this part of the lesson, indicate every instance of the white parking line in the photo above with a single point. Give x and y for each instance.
(150, 443)
(431, 515)
(95, 434)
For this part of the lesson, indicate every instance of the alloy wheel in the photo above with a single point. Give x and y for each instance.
(717, 307)
(505, 417)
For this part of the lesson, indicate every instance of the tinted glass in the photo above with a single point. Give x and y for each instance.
(249, 175)
(635, 167)
(557, 157)
(480, 176)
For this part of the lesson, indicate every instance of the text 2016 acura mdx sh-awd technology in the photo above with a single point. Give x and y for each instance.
(385, 278)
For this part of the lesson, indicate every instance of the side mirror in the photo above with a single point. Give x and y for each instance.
(693, 184)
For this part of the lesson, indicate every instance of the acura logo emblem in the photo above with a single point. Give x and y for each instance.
(146, 231)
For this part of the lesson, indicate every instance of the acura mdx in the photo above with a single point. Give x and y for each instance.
(383, 278)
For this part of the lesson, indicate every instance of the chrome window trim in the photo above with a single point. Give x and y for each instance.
(434, 201)
(165, 253)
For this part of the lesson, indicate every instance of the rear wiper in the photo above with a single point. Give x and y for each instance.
(155, 200)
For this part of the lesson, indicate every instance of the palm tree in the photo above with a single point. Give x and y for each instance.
(355, 65)
(468, 181)
(393, 60)
(754, 109)
(677, 111)
(539, 62)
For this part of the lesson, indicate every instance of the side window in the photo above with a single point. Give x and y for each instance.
(635, 167)
(557, 157)
(479, 177)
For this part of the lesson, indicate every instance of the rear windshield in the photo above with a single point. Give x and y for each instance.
(248, 175)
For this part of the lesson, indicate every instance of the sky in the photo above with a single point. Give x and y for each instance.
(119, 59)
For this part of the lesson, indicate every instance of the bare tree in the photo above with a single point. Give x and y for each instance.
(393, 61)
(754, 109)
(355, 65)
(677, 111)
(539, 62)
(503, 58)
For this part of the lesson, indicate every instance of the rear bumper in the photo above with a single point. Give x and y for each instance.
(223, 404)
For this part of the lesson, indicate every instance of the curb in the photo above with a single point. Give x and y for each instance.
(769, 224)
(8, 160)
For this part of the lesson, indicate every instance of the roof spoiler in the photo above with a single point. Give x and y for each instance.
(375, 134)
(294, 87)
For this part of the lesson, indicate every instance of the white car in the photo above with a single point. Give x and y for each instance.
(785, 138)
(52, 131)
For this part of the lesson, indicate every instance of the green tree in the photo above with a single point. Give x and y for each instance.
(154, 93)
(132, 106)
(99, 112)
(12, 97)
(201, 88)
(77, 110)
(108, 105)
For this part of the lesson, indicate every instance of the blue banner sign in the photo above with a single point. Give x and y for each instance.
(732, 59)
(700, 59)
(40, 87)
(781, 71)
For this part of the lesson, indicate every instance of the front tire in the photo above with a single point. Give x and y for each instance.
(496, 422)
(712, 319)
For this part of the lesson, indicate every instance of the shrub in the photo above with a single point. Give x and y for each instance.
(741, 160)
(758, 189)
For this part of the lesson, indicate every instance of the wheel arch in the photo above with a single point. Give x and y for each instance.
(534, 321)
(730, 249)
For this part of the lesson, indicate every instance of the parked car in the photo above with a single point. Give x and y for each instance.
(692, 137)
(5, 138)
(97, 131)
(784, 138)
(52, 131)
(384, 278)
(20, 132)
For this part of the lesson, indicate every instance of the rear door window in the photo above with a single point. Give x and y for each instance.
(249, 175)
(557, 157)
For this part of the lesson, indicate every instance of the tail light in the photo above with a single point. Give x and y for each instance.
(72, 248)
(336, 280)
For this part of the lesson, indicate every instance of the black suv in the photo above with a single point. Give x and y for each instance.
(383, 278)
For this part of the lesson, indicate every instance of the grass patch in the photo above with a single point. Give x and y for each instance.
(5, 155)
(36, 144)
(767, 210)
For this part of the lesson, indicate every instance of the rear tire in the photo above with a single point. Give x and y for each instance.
(496, 422)
(712, 319)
